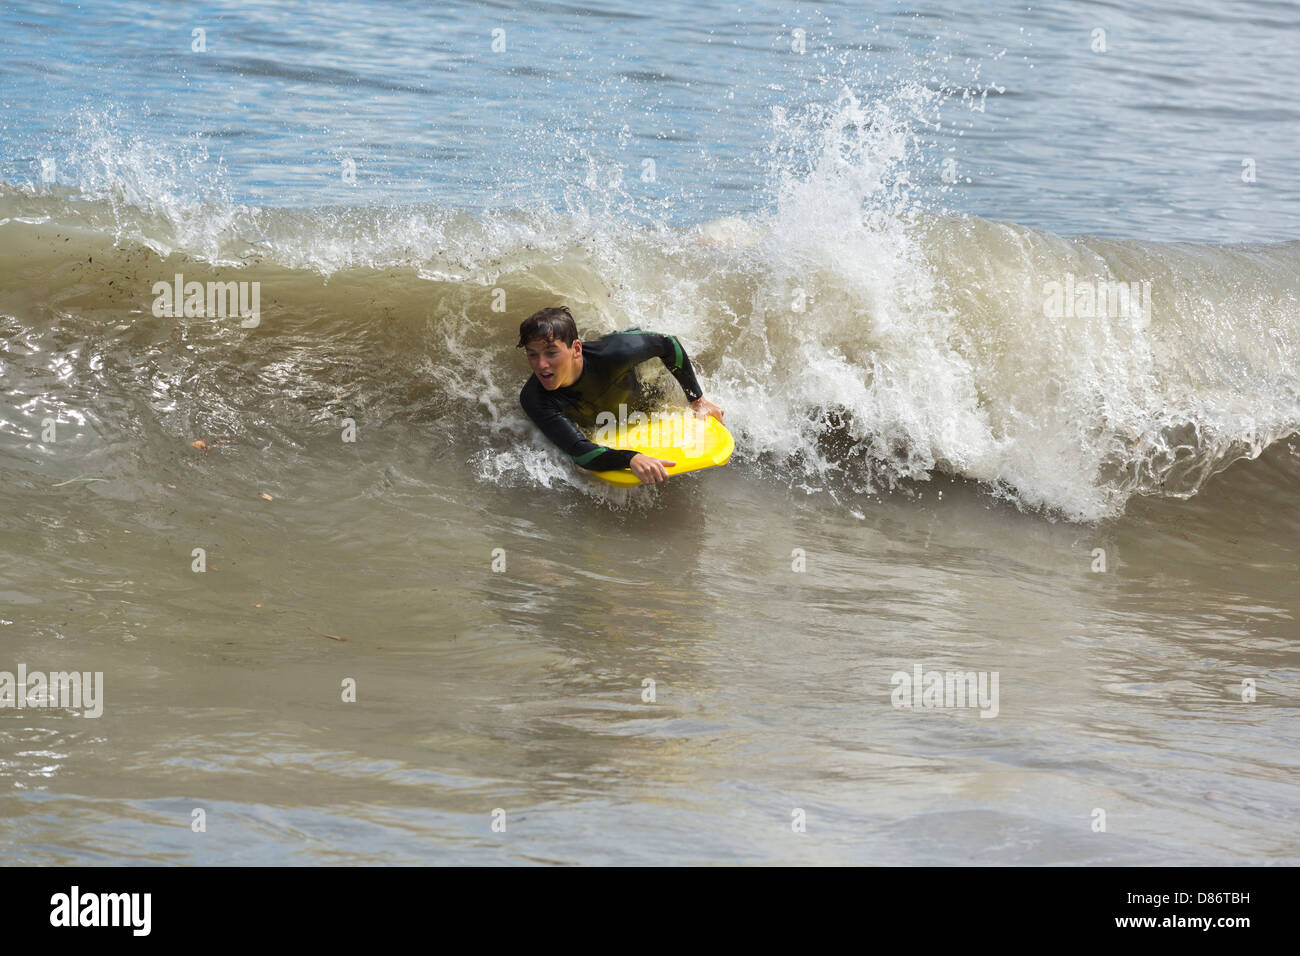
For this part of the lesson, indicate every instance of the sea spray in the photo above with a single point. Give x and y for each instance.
(860, 338)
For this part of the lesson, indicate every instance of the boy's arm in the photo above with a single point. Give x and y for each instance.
(639, 345)
(561, 430)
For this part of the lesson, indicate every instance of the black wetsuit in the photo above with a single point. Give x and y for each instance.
(608, 379)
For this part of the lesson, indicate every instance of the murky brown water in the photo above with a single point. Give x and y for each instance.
(522, 689)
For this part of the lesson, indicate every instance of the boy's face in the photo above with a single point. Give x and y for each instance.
(554, 363)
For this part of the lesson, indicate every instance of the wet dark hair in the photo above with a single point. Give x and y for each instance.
(549, 324)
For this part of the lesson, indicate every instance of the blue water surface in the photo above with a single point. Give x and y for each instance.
(1156, 119)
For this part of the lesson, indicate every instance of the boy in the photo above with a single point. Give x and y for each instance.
(572, 384)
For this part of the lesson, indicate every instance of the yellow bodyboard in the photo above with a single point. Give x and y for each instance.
(692, 442)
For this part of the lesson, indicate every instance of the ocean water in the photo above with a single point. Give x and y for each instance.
(1003, 305)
